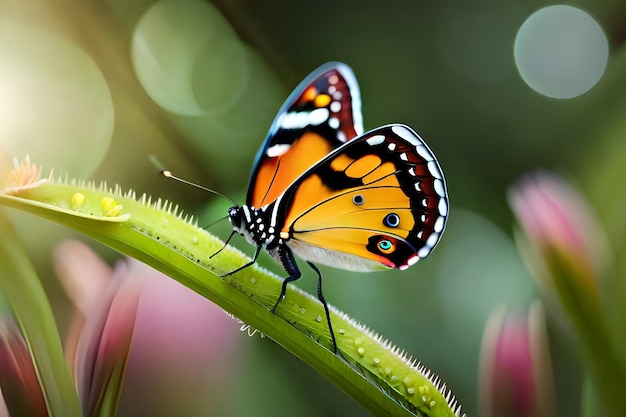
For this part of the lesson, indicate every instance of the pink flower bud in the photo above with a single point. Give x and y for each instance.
(516, 374)
(564, 239)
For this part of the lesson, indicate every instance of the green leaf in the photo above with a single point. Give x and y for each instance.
(369, 369)
(29, 305)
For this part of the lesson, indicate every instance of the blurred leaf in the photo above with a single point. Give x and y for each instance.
(28, 302)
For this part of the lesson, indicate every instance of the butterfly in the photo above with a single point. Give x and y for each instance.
(325, 191)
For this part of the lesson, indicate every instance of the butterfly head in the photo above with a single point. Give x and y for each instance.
(255, 225)
(236, 219)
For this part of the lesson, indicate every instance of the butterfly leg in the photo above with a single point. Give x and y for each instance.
(225, 244)
(286, 259)
(320, 296)
(254, 258)
(291, 267)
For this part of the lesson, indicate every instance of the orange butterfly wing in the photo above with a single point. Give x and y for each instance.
(331, 195)
(276, 173)
(379, 200)
(322, 113)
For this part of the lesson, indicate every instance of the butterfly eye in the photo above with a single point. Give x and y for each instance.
(385, 246)
(358, 200)
(391, 220)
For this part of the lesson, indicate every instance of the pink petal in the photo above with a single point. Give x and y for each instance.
(83, 274)
(105, 342)
(84, 277)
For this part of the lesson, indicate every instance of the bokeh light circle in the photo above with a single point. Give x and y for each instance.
(55, 104)
(185, 55)
(561, 51)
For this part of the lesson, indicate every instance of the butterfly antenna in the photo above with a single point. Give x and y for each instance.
(208, 226)
(168, 174)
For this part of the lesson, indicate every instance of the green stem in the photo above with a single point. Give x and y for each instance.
(368, 369)
(598, 348)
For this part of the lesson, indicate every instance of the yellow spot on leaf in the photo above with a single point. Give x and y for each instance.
(110, 207)
(78, 199)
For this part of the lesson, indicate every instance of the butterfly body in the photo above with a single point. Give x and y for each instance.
(333, 195)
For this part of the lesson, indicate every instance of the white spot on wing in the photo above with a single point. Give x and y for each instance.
(438, 185)
(300, 120)
(333, 122)
(405, 133)
(424, 153)
(434, 169)
(438, 227)
(375, 140)
(422, 253)
(318, 116)
(335, 106)
(293, 120)
(277, 150)
(432, 240)
(443, 207)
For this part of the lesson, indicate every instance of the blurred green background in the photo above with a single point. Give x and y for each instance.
(92, 88)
